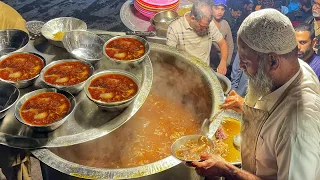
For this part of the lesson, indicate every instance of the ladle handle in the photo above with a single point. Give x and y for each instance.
(141, 33)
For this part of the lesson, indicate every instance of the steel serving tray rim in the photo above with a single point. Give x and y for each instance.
(73, 169)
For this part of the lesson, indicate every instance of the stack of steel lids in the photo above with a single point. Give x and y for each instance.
(150, 7)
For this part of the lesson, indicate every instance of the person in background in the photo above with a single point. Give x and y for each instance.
(306, 9)
(239, 79)
(247, 9)
(280, 130)
(14, 163)
(218, 10)
(315, 23)
(232, 17)
(306, 41)
(294, 5)
(10, 18)
(195, 32)
(278, 6)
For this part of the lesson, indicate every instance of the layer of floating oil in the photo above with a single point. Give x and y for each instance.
(231, 128)
(145, 138)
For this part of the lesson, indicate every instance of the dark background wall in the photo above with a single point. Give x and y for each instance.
(98, 14)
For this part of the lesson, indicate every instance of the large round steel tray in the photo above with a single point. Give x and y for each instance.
(171, 68)
(87, 122)
(135, 21)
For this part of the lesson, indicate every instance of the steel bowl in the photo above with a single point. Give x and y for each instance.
(112, 106)
(83, 45)
(34, 28)
(74, 89)
(9, 94)
(27, 82)
(63, 24)
(164, 18)
(12, 40)
(49, 127)
(133, 61)
(183, 140)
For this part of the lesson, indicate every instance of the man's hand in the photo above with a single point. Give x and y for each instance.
(233, 101)
(210, 167)
(222, 68)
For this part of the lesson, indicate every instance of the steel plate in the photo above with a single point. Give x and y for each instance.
(87, 122)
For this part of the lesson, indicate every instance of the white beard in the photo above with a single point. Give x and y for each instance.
(258, 86)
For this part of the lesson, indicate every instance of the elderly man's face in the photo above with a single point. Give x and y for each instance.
(201, 27)
(249, 61)
(254, 66)
(305, 44)
(316, 9)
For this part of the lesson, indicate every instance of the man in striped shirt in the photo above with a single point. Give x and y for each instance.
(195, 32)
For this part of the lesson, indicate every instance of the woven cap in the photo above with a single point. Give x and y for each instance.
(268, 31)
(220, 2)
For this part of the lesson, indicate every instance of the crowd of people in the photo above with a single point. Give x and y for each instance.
(270, 50)
(227, 16)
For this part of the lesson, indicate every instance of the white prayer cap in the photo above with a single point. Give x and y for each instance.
(268, 31)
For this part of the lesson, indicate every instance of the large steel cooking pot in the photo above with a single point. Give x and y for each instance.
(179, 78)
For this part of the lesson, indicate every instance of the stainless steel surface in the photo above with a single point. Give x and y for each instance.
(49, 127)
(27, 82)
(34, 28)
(112, 105)
(224, 82)
(74, 89)
(83, 45)
(12, 40)
(87, 122)
(163, 19)
(182, 141)
(62, 24)
(135, 21)
(133, 61)
(9, 95)
(178, 77)
(161, 33)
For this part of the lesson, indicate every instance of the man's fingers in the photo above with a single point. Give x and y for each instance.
(202, 164)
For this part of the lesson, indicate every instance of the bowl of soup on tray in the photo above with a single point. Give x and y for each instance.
(112, 89)
(69, 74)
(190, 148)
(126, 49)
(21, 69)
(45, 109)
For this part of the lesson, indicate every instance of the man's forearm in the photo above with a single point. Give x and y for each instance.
(231, 172)
(224, 53)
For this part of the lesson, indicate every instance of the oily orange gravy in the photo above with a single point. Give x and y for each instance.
(231, 127)
(146, 138)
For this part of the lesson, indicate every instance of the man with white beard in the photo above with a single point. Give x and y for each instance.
(281, 119)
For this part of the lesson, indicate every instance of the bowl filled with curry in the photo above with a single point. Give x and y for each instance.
(112, 89)
(68, 74)
(45, 109)
(126, 49)
(21, 69)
